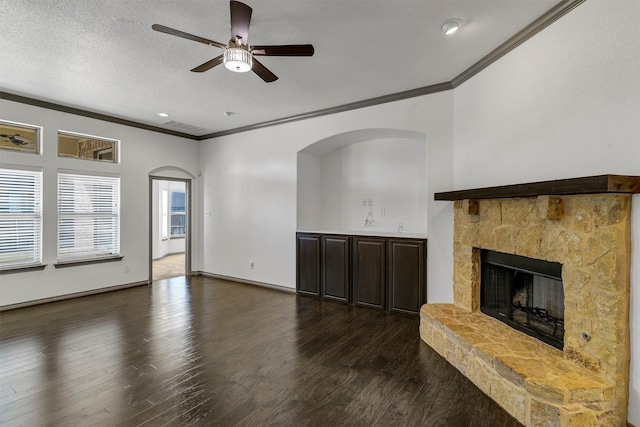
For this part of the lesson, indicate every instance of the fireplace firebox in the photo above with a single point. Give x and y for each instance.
(525, 293)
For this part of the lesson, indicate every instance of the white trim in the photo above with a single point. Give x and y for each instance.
(246, 282)
(71, 296)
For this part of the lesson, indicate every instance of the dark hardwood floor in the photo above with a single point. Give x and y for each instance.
(215, 353)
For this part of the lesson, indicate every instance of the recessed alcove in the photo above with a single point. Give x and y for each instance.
(369, 181)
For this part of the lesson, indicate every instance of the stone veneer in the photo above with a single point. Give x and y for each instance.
(587, 383)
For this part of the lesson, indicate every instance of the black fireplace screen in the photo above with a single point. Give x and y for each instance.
(524, 293)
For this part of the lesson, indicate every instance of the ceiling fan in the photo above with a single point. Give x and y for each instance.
(238, 55)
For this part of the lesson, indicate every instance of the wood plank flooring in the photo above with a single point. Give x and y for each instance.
(199, 351)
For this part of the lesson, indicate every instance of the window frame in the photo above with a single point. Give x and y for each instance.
(95, 212)
(5, 125)
(114, 150)
(35, 216)
(182, 213)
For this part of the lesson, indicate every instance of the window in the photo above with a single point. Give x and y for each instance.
(87, 147)
(88, 216)
(178, 217)
(20, 137)
(20, 218)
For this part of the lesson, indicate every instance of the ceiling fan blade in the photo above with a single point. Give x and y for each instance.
(263, 72)
(240, 21)
(208, 65)
(284, 50)
(178, 33)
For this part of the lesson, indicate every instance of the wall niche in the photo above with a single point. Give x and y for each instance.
(369, 181)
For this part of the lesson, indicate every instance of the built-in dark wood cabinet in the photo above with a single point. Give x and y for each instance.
(308, 264)
(406, 271)
(369, 270)
(380, 272)
(336, 267)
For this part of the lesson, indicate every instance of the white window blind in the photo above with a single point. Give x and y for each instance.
(20, 218)
(88, 216)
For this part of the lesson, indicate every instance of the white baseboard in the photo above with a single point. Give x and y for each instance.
(132, 285)
(70, 296)
(166, 255)
(247, 282)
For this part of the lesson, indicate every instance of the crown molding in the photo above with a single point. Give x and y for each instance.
(525, 34)
(90, 114)
(426, 90)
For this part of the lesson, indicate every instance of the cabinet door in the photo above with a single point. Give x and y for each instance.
(369, 271)
(407, 278)
(336, 269)
(308, 264)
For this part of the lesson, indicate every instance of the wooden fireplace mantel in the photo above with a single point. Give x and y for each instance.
(560, 187)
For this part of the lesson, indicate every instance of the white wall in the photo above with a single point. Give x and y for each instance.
(250, 189)
(309, 191)
(564, 104)
(141, 152)
(391, 172)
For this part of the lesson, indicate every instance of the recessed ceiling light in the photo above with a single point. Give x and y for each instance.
(163, 114)
(451, 26)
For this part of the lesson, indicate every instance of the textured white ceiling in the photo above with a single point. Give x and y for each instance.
(103, 56)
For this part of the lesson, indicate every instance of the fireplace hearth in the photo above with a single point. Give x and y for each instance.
(524, 293)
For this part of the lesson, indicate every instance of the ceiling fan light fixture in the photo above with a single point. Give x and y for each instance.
(237, 55)
(451, 26)
(238, 59)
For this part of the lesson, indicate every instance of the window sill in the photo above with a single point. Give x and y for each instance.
(21, 269)
(178, 237)
(66, 264)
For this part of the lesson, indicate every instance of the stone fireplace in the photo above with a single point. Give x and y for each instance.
(583, 224)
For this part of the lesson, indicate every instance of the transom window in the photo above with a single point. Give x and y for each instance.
(87, 147)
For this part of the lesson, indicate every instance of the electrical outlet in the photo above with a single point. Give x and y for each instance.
(370, 203)
(126, 269)
(364, 203)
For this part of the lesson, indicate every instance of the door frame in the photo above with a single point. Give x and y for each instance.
(187, 234)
